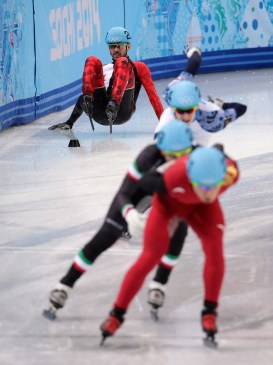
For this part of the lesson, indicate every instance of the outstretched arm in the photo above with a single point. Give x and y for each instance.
(153, 182)
(145, 78)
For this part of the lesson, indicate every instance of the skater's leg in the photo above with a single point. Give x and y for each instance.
(208, 223)
(83, 261)
(194, 61)
(168, 261)
(105, 238)
(92, 80)
(156, 231)
(157, 287)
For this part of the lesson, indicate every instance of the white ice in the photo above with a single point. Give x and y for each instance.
(54, 198)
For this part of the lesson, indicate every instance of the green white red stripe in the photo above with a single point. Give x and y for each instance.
(81, 263)
(169, 261)
(134, 172)
(126, 209)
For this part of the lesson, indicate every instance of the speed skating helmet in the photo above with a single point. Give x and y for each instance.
(174, 138)
(183, 95)
(118, 35)
(206, 166)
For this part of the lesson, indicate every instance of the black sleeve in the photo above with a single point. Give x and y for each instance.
(153, 182)
(148, 160)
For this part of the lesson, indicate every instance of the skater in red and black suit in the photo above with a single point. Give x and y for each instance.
(188, 190)
(174, 140)
(110, 92)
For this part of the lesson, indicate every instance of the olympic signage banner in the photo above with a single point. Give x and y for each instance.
(67, 32)
(44, 44)
(16, 50)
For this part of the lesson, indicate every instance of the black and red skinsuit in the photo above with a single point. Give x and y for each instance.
(115, 224)
(124, 87)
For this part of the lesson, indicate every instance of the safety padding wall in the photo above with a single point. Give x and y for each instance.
(44, 44)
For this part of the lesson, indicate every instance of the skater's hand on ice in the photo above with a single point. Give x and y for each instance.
(62, 126)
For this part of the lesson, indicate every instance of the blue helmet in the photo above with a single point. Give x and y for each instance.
(206, 166)
(182, 95)
(175, 136)
(118, 35)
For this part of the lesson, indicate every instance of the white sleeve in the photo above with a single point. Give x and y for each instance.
(200, 136)
(166, 117)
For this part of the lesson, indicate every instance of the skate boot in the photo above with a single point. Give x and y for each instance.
(209, 326)
(57, 298)
(156, 297)
(110, 325)
(191, 51)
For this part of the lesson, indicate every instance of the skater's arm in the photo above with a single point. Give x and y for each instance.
(148, 159)
(153, 182)
(145, 78)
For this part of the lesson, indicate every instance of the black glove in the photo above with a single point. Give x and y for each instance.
(63, 126)
(111, 111)
(88, 104)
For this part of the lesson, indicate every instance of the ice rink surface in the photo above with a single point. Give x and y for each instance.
(54, 198)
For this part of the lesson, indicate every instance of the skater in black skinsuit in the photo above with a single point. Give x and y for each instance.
(174, 140)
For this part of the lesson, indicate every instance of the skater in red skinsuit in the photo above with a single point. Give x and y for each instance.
(110, 92)
(189, 190)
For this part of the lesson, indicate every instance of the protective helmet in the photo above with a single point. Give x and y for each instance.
(206, 166)
(118, 35)
(175, 136)
(182, 95)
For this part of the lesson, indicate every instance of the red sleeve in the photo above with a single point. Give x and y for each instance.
(145, 78)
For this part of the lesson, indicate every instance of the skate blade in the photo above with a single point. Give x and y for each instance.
(154, 314)
(210, 342)
(103, 340)
(50, 314)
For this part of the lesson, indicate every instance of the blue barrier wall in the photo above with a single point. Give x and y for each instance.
(44, 44)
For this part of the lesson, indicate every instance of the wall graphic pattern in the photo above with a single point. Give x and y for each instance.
(43, 44)
(171, 26)
(11, 33)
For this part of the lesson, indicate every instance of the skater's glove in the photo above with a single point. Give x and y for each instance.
(111, 111)
(231, 176)
(136, 222)
(87, 105)
(62, 126)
